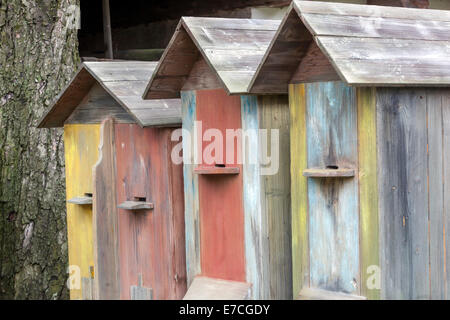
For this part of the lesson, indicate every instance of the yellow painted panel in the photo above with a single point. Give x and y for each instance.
(81, 153)
(368, 193)
(300, 251)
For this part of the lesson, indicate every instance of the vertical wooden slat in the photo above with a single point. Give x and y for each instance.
(403, 193)
(105, 224)
(81, 152)
(274, 115)
(331, 125)
(368, 197)
(221, 196)
(299, 191)
(436, 194)
(256, 232)
(191, 201)
(446, 181)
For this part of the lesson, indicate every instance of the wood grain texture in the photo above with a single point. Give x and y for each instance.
(105, 224)
(216, 170)
(299, 188)
(232, 48)
(333, 203)
(329, 173)
(204, 288)
(220, 197)
(255, 220)
(112, 88)
(96, 106)
(81, 152)
(403, 194)
(434, 101)
(319, 294)
(276, 193)
(368, 185)
(191, 201)
(446, 177)
(366, 45)
(151, 241)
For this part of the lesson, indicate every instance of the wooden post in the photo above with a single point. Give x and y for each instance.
(424, 4)
(107, 30)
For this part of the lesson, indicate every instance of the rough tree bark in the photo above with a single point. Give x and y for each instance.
(38, 54)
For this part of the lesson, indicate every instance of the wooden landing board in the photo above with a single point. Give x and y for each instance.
(204, 288)
(80, 200)
(217, 170)
(135, 205)
(320, 294)
(81, 152)
(221, 222)
(151, 241)
(105, 224)
(329, 173)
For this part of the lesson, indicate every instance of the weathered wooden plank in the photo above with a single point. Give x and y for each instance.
(82, 200)
(377, 27)
(344, 9)
(217, 170)
(319, 294)
(255, 218)
(329, 173)
(121, 70)
(151, 241)
(191, 201)
(140, 292)
(333, 203)
(388, 61)
(283, 56)
(105, 224)
(403, 195)
(222, 233)
(81, 153)
(97, 106)
(202, 77)
(204, 288)
(436, 193)
(368, 197)
(276, 192)
(135, 205)
(446, 179)
(299, 188)
(237, 24)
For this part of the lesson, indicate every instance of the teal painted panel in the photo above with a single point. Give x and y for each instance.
(256, 232)
(191, 201)
(331, 130)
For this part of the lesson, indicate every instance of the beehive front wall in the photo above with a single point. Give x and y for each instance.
(151, 242)
(267, 196)
(413, 173)
(81, 153)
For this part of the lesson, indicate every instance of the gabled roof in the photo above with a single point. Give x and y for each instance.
(232, 48)
(125, 81)
(366, 45)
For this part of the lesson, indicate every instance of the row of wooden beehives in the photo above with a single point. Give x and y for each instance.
(358, 205)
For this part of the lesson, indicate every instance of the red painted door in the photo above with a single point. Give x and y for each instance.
(151, 242)
(220, 196)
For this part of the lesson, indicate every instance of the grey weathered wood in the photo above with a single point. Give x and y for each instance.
(446, 178)
(140, 292)
(87, 288)
(329, 173)
(320, 294)
(365, 45)
(112, 88)
(232, 48)
(203, 288)
(135, 205)
(403, 195)
(82, 200)
(436, 193)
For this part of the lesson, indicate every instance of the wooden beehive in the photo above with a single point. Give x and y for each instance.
(237, 220)
(125, 211)
(370, 124)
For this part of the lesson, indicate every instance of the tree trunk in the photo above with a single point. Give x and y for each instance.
(38, 55)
